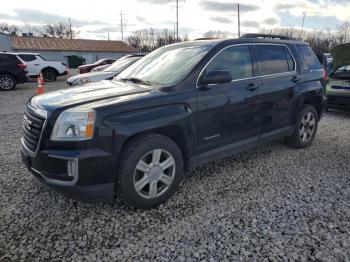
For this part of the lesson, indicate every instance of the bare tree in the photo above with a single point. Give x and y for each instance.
(60, 30)
(216, 34)
(147, 40)
(9, 29)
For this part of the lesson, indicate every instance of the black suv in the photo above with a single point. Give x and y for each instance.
(12, 71)
(179, 107)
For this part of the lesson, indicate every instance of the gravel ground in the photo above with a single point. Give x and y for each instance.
(271, 203)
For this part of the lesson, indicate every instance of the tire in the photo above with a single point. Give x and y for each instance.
(49, 75)
(305, 129)
(141, 180)
(7, 82)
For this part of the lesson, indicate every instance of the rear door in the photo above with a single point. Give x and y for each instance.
(228, 113)
(277, 72)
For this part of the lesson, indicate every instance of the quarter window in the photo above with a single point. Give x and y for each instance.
(309, 58)
(272, 59)
(236, 60)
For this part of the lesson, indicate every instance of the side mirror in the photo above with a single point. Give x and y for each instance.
(216, 77)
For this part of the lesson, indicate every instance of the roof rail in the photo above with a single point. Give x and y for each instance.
(270, 36)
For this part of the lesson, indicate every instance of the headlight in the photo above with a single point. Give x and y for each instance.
(81, 81)
(74, 125)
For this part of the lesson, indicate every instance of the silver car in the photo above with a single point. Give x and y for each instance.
(108, 73)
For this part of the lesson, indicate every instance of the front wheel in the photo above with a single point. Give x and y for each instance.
(150, 170)
(306, 128)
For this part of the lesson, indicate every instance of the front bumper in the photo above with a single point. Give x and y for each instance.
(86, 175)
(338, 101)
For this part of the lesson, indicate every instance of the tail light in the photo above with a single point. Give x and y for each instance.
(324, 75)
(22, 66)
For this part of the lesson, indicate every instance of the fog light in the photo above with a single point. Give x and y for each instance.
(72, 168)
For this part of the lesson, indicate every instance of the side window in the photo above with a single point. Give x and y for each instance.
(27, 58)
(309, 58)
(235, 59)
(271, 59)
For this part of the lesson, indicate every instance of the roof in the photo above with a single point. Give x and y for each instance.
(51, 43)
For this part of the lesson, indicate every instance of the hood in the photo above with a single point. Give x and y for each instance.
(93, 76)
(341, 56)
(85, 94)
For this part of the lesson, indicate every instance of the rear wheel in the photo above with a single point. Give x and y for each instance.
(7, 82)
(151, 168)
(49, 75)
(306, 128)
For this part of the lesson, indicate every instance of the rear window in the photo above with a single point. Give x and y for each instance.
(27, 58)
(308, 57)
(272, 59)
(8, 58)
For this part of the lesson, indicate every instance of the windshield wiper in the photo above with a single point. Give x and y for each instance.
(137, 81)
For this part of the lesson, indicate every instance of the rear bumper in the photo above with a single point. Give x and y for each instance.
(22, 78)
(86, 175)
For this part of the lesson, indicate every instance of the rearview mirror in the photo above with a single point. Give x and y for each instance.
(216, 77)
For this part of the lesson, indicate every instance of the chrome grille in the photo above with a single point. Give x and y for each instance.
(31, 130)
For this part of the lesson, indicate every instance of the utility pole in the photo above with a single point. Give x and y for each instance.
(108, 36)
(177, 17)
(70, 28)
(122, 25)
(302, 24)
(239, 21)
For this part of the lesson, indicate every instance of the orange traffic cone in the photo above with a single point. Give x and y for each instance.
(40, 88)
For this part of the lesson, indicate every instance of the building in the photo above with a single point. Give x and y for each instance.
(65, 50)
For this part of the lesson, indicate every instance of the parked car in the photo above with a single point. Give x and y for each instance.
(100, 68)
(87, 68)
(36, 64)
(108, 73)
(177, 108)
(12, 71)
(338, 87)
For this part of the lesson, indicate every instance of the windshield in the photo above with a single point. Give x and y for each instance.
(166, 66)
(121, 64)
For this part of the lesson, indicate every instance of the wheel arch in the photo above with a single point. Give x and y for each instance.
(173, 132)
(50, 67)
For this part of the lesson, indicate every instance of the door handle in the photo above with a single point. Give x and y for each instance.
(296, 79)
(36, 64)
(252, 87)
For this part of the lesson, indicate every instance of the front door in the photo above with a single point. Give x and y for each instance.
(228, 113)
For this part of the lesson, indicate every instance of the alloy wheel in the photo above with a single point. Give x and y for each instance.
(6, 83)
(307, 126)
(154, 173)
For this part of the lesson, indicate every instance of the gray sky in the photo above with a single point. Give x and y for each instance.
(95, 18)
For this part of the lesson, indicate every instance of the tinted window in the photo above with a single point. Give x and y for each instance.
(235, 59)
(27, 58)
(7, 58)
(309, 58)
(271, 59)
